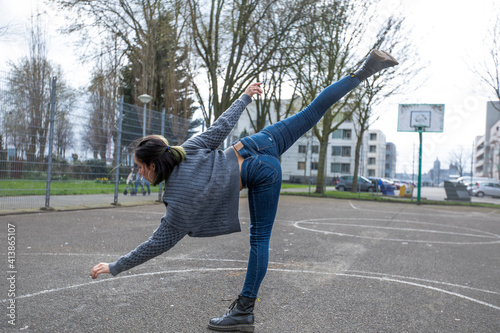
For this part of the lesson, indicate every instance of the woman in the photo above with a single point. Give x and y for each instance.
(202, 185)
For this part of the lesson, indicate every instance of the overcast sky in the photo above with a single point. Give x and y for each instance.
(450, 35)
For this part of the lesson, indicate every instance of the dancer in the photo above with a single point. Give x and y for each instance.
(202, 185)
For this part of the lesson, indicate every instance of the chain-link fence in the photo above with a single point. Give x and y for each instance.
(60, 147)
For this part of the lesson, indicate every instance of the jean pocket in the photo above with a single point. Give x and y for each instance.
(260, 141)
(263, 170)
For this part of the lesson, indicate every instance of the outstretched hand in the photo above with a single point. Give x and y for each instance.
(253, 89)
(99, 269)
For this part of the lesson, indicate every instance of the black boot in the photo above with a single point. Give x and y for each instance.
(239, 318)
(377, 60)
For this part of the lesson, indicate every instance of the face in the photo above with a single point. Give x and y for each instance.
(148, 172)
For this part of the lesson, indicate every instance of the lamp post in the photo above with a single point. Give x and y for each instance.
(145, 99)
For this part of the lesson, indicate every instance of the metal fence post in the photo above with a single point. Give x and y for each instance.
(160, 187)
(51, 141)
(118, 152)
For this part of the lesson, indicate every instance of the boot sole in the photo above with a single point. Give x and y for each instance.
(233, 328)
(384, 56)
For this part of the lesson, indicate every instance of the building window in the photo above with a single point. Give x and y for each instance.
(344, 151)
(314, 165)
(342, 116)
(301, 165)
(371, 173)
(373, 136)
(336, 150)
(315, 149)
(340, 168)
(373, 149)
(371, 161)
(346, 134)
(337, 134)
(302, 149)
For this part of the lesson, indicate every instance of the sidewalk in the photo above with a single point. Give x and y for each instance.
(10, 205)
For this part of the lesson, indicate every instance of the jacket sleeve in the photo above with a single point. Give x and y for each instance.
(162, 240)
(215, 135)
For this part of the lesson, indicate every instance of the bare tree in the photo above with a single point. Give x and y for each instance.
(30, 85)
(392, 38)
(273, 105)
(3, 30)
(329, 40)
(63, 127)
(102, 113)
(221, 33)
(146, 36)
(334, 43)
(460, 158)
(489, 71)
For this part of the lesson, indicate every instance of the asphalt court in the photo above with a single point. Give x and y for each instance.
(336, 266)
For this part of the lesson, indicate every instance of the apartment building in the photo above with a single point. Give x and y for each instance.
(300, 163)
(390, 160)
(487, 146)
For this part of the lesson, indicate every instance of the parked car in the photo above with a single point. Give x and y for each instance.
(397, 183)
(345, 184)
(480, 189)
(374, 181)
(467, 181)
(386, 181)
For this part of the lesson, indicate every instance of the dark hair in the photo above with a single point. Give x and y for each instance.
(155, 149)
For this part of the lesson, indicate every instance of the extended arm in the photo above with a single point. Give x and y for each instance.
(162, 240)
(215, 135)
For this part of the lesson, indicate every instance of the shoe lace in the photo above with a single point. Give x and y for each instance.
(367, 84)
(233, 304)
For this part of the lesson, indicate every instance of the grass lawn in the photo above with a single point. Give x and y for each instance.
(38, 187)
(24, 187)
(379, 197)
(72, 187)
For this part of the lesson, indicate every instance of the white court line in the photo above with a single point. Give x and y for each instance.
(353, 207)
(436, 212)
(318, 222)
(270, 263)
(401, 229)
(429, 281)
(382, 279)
(396, 221)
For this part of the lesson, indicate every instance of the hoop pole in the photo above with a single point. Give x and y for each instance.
(419, 167)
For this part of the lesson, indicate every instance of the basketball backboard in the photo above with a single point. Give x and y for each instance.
(424, 117)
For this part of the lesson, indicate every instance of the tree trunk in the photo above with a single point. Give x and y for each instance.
(322, 167)
(357, 154)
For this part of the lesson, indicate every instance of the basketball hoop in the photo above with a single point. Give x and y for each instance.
(420, 118)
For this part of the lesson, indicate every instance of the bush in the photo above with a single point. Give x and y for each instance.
(34, 175)
(97, 168)
(79, 170)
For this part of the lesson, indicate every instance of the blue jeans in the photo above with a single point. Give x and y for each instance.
(261, 174)
(138, 182)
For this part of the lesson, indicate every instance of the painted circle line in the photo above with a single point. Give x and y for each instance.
(384, 278)
(471, 232)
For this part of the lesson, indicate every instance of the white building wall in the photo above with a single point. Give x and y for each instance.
(495, 150)
(479, 156)
(298, 164)
(375, 143)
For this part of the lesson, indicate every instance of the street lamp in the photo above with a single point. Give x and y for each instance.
(145, 99)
